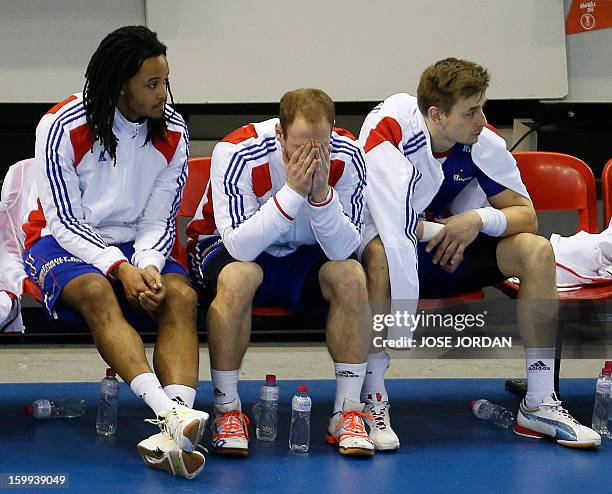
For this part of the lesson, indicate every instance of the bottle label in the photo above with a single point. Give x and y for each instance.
(269, 393)
(301, 403)
(603, 387)
(44, 409)
(109, 387)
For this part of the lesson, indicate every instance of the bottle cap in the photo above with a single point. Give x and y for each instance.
(606, 371)
(302, 388)
(28, 410)
(271, 378)
(608, 364)
(110, 372)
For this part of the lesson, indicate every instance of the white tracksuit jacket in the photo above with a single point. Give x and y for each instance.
(255, 210)
(90, 204)
(404, 177)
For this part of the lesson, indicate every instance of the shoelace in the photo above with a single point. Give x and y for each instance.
(352, 423)
(162, 421)
(556, 406)
(236, 425)
(378, 414)
(162, 417)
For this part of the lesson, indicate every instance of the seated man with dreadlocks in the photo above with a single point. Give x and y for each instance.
(110, 165)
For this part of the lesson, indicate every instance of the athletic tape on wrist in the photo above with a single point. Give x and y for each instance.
(430, 230)
(494, 221)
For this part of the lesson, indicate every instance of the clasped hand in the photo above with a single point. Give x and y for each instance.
(143, 287)
(459, 231)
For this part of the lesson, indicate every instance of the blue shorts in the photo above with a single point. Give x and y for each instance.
(290, 281)
(52, 267)
(477, 270)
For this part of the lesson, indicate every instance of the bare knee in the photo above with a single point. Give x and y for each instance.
(92, 296)
(535, 255)
(179, 293)
(375, 265)
(238, 282)
(343, 281)
(89, 290)
(375, 259)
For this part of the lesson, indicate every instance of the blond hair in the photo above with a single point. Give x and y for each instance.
(312, 104)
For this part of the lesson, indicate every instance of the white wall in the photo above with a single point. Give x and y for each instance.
(45, 44)
(356, 50)
(253, 50)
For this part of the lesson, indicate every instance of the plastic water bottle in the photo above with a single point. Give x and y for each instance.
(106, 422)
(499, 415)
(608, 365)
(299, 433)
(265, 411)
(66, 408)
(601, 410)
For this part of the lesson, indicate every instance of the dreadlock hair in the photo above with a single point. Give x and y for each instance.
(117, 59)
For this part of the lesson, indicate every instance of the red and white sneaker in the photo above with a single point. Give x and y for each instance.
(552, 420)
(230, 430)
(347, 430)
(381, 433)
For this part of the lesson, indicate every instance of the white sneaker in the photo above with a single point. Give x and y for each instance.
(185, 425)
(230, 430)
(552, 420)
(381, 433)
(161, 452)
(347, 430)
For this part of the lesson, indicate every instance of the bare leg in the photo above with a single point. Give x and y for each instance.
(229, 315)
(92, 296)
(531, 258)
(379, 287)
(343, 285)
(176, 351)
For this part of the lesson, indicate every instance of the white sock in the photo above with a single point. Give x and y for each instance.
(349, 380)
(374, 383)
(185, 393)
(225, 386)
(147, 386)
(6, 304)
(540, 375)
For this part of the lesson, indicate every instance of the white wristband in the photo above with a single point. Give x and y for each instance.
(494, 221)
(430, 230)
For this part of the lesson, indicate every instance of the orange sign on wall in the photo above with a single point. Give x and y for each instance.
(588, 16)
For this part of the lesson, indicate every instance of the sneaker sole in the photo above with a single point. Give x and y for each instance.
(355, 451)
(177, 462)
(193, 433)
(348, 451)
(386, 447)
(525, 432)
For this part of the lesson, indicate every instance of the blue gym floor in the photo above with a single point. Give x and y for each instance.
(444, 448)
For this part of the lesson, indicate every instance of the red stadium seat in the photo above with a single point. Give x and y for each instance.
(559, 182)
(606, 186)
